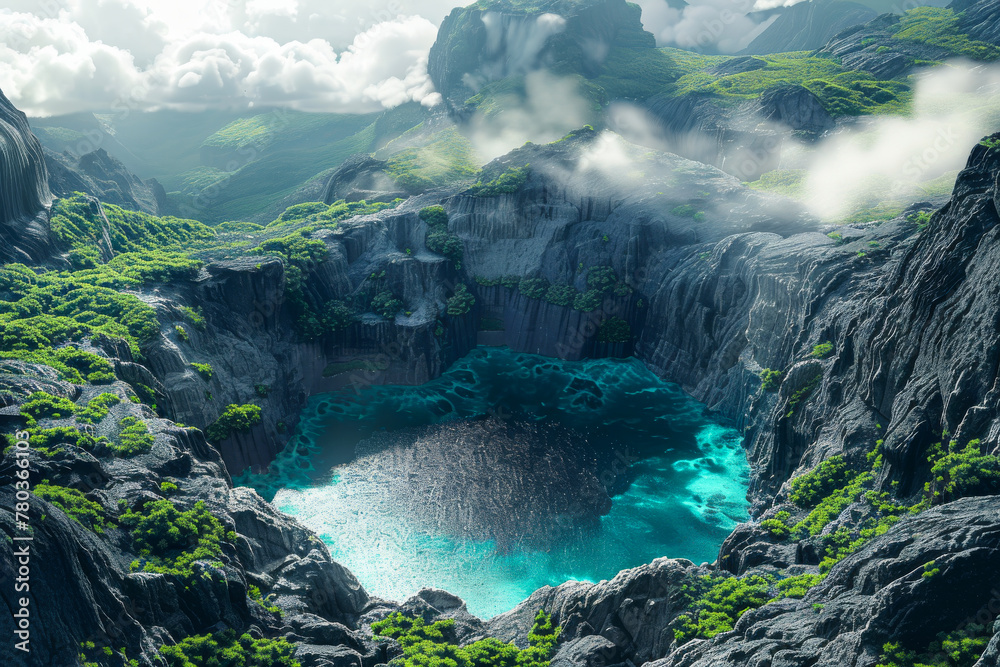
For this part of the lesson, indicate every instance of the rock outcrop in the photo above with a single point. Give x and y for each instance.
(24, 190)
(487, 42)
(102, 176)
(809, 25)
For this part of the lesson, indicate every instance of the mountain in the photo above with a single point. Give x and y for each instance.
(809, 25)
(104, 177)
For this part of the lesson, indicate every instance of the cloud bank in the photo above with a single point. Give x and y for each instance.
(709, 26)
(64, 56)
(889, 158)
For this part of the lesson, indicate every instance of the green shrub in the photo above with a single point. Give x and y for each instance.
(797, 586)
(802, 393)
(85, 512)
(509, 181)
(42, 405)
(181, 333)
(434, 645)
(778, 526)
(434, 216)
(234, 419)
(770, 379)
(386, 304)
(133, 439)
(560, 295)
(445, 244)
(204, 370)
(718, 602)
(254, 594)
(822, 351)
(194, 316)
(601, 278)
(684, 211)
(957, 472)
(168, 488)
(227, 650)
(461, 301)
(588, 301)
(809, 489)
(98, 408)
(959, 648)
(533, 288)
(171, 540)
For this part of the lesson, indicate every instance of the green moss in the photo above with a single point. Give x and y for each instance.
(958, 648)
(447, 157)
(234, 419)
(98, 408)
(509, 181)
(822, 351)
(43, 405)
(204, 370)
(435, 645)
(842, 92)
(803, 393)
(170, 540)
(461, 301)
(770, 379)
(85, 512)
(936, 26)
(717, 603)
(133, 438)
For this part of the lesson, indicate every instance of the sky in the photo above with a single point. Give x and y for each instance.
(65, 56)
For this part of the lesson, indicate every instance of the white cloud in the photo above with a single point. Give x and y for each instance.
(62, 56)
(722, 26)
(888, 158)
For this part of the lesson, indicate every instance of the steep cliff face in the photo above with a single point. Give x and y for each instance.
(809, 25)
(104, 177)
(24, 190)
(488, 41)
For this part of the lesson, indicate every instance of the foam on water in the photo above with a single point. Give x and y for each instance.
(678, 478)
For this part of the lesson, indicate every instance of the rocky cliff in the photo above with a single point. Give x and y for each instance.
(488, 41)
(24, 190)
(102, 176)
(809, 25)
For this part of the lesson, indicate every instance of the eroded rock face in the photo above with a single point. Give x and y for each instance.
(808, 26)
(104, 177)
(480, 44)
(24, 190)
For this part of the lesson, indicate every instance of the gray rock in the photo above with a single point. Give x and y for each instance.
(590, 651)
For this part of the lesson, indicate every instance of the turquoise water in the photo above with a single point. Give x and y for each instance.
(676, 478)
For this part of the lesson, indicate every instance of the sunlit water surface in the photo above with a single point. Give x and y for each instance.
(406, 488)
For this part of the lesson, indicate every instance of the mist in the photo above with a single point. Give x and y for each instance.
(888, 158)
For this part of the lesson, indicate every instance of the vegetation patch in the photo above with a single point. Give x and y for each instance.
(434, 644)
(133, 438)
(234, 419)
(461, 301)
(509, 181)
(171, 540)
(85, 512)
(936, 26)
(227, 650)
